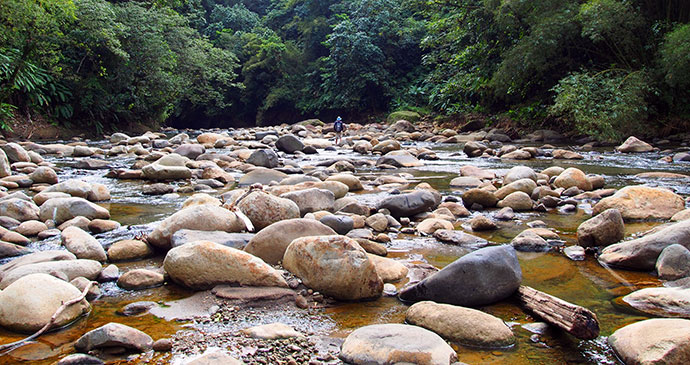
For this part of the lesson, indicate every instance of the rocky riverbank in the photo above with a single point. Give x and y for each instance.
(279, 220)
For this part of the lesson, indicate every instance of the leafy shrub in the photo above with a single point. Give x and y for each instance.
(606, 105)
(403, 114)
(675, 57)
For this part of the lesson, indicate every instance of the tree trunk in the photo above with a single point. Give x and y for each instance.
(578, 321)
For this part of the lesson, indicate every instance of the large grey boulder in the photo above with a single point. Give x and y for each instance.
(407, 205)
(29, 303)
(481, 277)
(264, 158)
(64, 269)
(653, 341)
(334, 265)
(190, 150)
(114, 335)
(673, 262)
(642, 253)
(202, 265)
(384, 344)
(399, 158)
(197, 217)
(466, 326)
(601, 230)
(262, 176)
(642, 202)
(270, 243)
(63, 209)
(15, 153)
(311, 200)
(289, 143)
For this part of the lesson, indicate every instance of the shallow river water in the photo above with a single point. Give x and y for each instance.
(584, 283)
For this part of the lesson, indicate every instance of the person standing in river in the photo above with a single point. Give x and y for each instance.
(338, 127)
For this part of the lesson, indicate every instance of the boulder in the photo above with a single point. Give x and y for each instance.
(601, 230)
(140, 279)
(642, 253)
(168, 167)
(632, 145)
(530, 241)
(5, 168)
(234, 240)
(270, 243)
(431, 225)
(465, 182)
(11, 250)
(481, 277)
(482, 223)
(28, 303)
(378, 222)
(80, 359)
(200, 217)
(561, 154)
(524, 185)
(392, 343)
(82, 244)
(114, 335)
(673, 262)
(74, 187)
(573, 177)
(264, 158)
(482, 197)
(519, 172)
(389, 270)
(311, 200)
(271, 331)
(261, 176)
(399, 158)
(653, 341)
(341, 224)
(518, 201)
(264, 209)
(129, 250)
(353, 183)
(31, 228)
(15, 153)
(204, 264)
(407, 205)
(44, 175)
(642, 202)
(19, 209)
(63, 209)
(663, 302)
(64, 269)
(214, 357)
(334, 265)
(459, 238)
(289, 143)
(190, 151)
(466, 326)
(36, 257)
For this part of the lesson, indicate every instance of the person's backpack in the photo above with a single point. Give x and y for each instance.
(338, 126)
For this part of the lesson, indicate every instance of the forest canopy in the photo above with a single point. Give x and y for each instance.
(601, 67)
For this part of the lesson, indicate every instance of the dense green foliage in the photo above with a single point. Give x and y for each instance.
(602, 67)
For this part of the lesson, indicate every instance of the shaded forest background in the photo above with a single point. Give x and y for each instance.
(604, 68)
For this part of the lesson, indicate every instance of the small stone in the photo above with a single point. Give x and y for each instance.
(163, 345)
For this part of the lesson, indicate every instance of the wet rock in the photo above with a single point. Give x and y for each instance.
(140, 279)
(271, 331)
(642, 202)
(462, 325)
(524, 185)
(519, 172)
(201, 217)
(63, 209)
(518, 201)
(481, 277)
(520, 154)
(571, 177)
(44, 175)
(234, 240)
(311, 200)
(79, 222)
(431, 225)
(264, 158)
(5, 169)
(642, 253)
(65, 269)
(82, 244)
(133, 309)
(385, 147)
(11, 250)
(681, 216)
(601, 230)
(157, 189)
(15, 153)
(632, 144)
(407, 205)
(378, 222)
(334, 265)
(31, 228)
(190, 151)
(673, 262)
(372, 247)
(270, 243)
(362, 147)
(289, 144)
(341, 224)
(114, 335)
(389, 270)
(214, 357)
(163, 345)
(262, 176)
(103, 225)
(505, 214)
(81, 283)
(482, 223)
(530, 241)
(382, 344)
(575, 253)
(459, 238)
(353, 183)
(400, 158)
(80, 359)
(473, 148)
(482, 197)
(653, 341)
(168, 167)
(457, 209)
(29, 303)
(203, 264)
(664, 302)
(264, 209)
(561, 154)
(465, 182)
(19, 209)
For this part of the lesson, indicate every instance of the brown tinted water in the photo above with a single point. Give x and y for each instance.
(584, 283)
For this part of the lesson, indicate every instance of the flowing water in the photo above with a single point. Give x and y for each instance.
(584, 283)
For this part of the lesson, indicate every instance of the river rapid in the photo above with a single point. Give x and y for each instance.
(585, 283)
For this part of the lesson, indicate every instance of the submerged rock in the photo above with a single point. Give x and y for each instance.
(114, 335)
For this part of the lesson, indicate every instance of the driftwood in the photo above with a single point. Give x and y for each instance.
(578, 321)
(50, 323)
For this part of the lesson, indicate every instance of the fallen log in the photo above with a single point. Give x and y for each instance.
(574, 319)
